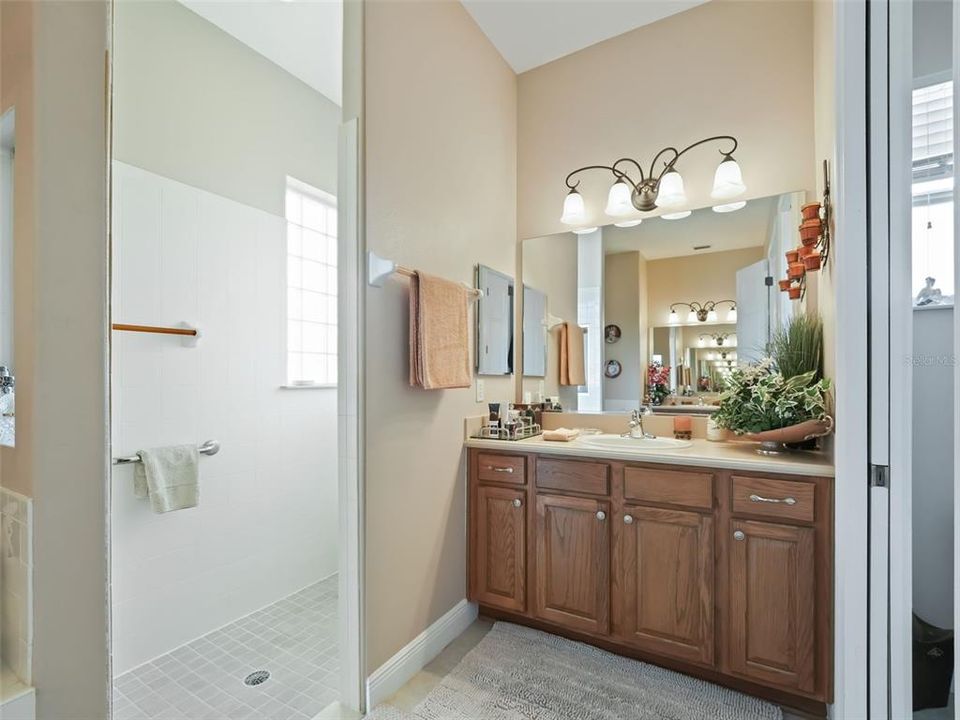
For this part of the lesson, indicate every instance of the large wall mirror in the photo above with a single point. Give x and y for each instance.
(685, 299)
(7, 385)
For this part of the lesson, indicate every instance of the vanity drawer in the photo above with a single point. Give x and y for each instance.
(784, 499)
(502, 468)
(670, 487)
(573, 476)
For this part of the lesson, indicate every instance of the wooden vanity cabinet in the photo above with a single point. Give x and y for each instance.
(573, 562)
(720, 574)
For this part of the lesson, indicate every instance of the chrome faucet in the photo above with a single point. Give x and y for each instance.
(636, 424)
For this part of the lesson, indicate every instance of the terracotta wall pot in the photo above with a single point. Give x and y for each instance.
(795, 270)
(794, 293)
(812, 262)
(810, 235)
(806, 251)
(785, 285)
(811, 211)
(796, 433)
(792, 256)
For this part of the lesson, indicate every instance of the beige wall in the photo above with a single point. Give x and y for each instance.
(441, 195)
(694, 277)
(621, 306)
(725, 67)
(821, 296)
(53, 58)
(550, 265)
(217, 116)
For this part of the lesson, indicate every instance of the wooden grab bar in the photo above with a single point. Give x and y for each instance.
(155, 329)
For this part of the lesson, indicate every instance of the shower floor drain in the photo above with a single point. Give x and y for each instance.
(256, 678)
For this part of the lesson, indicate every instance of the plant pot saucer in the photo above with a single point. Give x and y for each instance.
(772, 441)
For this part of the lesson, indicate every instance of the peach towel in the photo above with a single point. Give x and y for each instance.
(561, 435)
(571, 355)
(439, 335)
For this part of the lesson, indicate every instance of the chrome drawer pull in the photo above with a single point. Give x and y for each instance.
(761, 499)
(516, 502)
(494, 468)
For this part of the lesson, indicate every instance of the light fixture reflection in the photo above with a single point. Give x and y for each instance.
(677, 215)
(732, 316)
(730, 207)
(584, 230)
(629, 223)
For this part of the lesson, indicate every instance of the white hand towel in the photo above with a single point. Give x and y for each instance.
(169, 476)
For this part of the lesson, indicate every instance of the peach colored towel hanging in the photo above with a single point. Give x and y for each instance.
(571, 355)
(439, 334)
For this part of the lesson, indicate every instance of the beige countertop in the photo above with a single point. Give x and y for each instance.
(702, 453)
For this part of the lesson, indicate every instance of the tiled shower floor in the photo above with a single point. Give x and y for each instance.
(294, 639)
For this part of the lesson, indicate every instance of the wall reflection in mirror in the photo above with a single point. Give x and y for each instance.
(7, 175)
(669, 306)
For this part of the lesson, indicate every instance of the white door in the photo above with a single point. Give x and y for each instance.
(753, 312)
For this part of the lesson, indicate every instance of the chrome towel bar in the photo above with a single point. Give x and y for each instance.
(209, 447)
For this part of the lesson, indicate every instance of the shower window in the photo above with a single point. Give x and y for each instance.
(933, 187)
(311, 216)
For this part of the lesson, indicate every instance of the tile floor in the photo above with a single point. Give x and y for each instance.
(295, 639)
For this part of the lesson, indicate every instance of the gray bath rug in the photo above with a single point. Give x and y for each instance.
(517, 673)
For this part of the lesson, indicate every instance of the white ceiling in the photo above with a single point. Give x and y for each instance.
(304, 37)
(656, 238)
(529, 33)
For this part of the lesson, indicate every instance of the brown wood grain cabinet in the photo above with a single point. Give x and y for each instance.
(726, 575)
(573, 562)
(667, 587)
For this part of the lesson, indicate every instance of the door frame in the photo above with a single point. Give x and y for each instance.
(850, 280)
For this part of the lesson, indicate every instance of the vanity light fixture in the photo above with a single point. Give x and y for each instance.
(663, 189)
(703, 312)
(719, 338)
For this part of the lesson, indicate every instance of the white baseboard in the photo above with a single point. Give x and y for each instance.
(397, 671)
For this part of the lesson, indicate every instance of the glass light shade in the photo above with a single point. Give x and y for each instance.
(691, 317)
(732, 317)
(728, 180)
(629, 223)
(584, 230)
(702, 343)
(574, 212)
(671, 193)
(729, 207)
(618, 201)
(712, 316)
(674, 318)
(677, 215)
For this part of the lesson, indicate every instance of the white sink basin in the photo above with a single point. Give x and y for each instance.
(640, 444)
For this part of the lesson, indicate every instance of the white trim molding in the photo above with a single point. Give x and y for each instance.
(398, 670)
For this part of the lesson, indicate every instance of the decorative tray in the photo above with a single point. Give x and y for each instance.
(520, 432)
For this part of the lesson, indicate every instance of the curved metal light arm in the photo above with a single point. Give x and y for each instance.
(679, 153)
(713, 303)
(619, 174)
(652, 175)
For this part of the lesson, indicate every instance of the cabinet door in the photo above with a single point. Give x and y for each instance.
(665, 582)
(772, 605)
(573, 562)
(499, 552)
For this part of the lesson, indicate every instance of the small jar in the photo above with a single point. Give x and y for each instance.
(715, 433)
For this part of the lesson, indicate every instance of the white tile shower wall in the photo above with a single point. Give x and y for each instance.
(16, 583)
(267, 521)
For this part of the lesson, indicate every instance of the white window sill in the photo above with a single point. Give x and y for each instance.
(315, 386)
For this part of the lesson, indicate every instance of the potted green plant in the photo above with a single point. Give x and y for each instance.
(763, 404)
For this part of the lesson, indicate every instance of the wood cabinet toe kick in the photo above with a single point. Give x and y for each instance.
(725, 575)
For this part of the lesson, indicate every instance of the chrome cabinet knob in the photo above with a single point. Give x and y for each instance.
(738, 535)
(517, 503)
(628, 519)
(601, 515)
